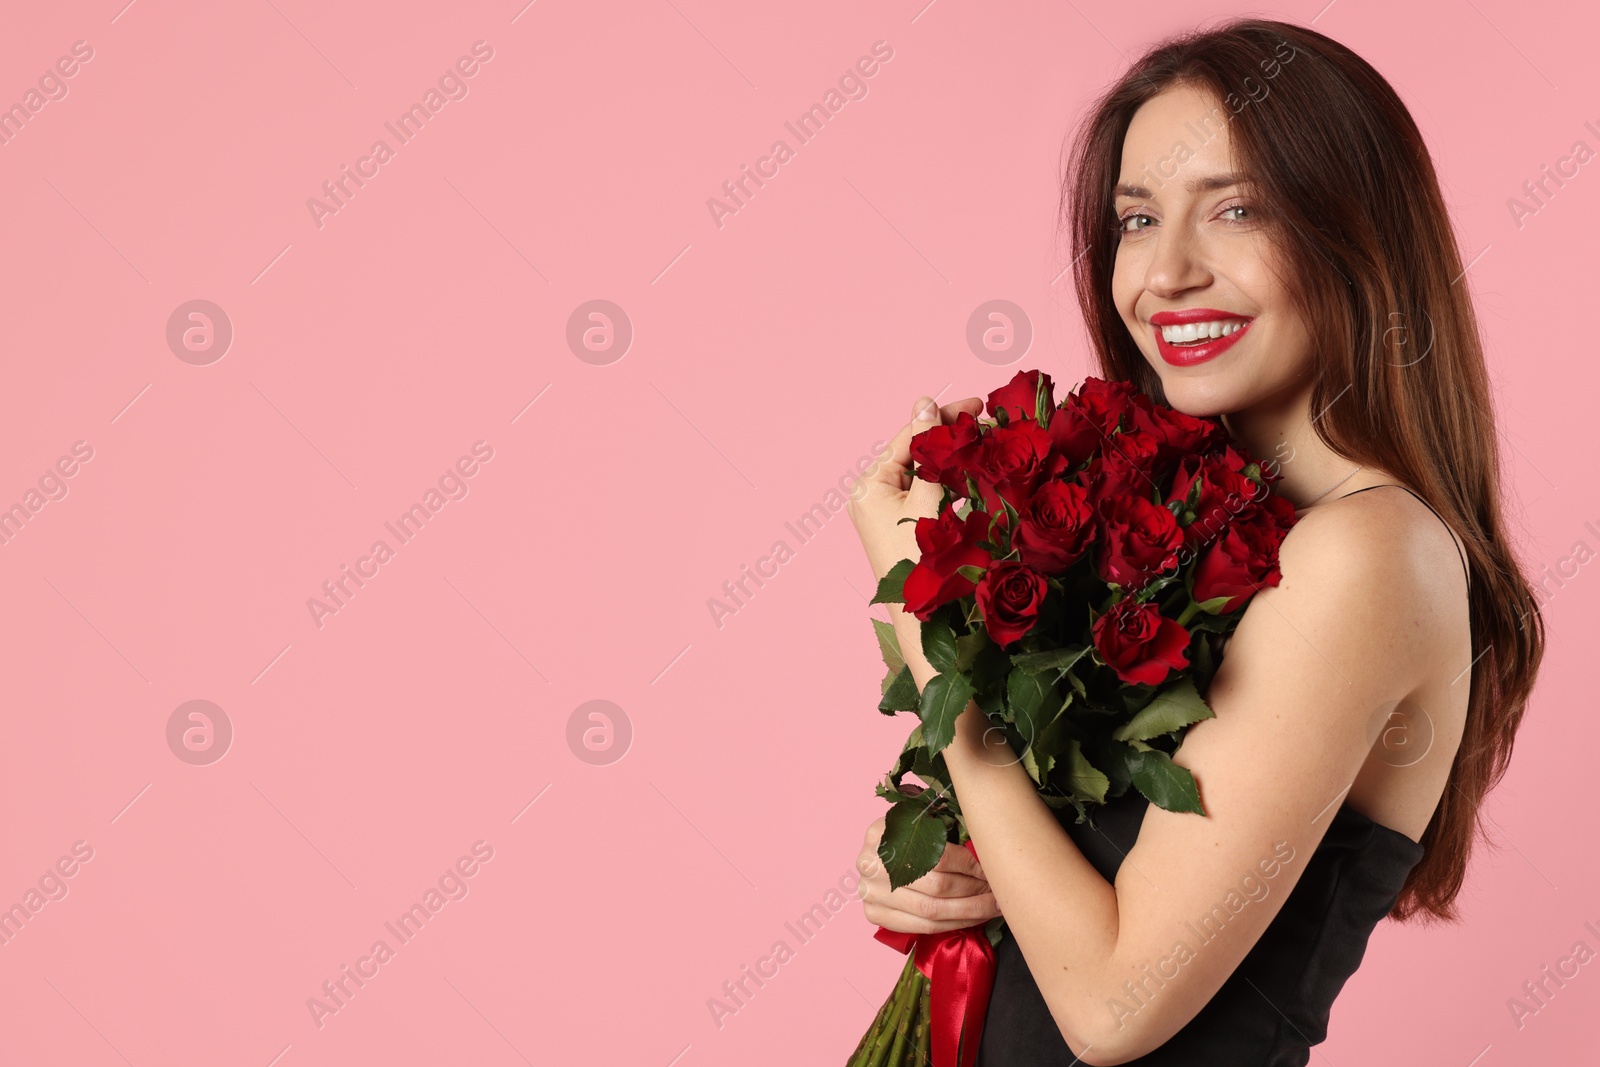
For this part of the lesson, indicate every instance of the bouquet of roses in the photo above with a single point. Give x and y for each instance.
(1087, 562)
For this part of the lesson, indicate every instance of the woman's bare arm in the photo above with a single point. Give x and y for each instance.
(1349, 628)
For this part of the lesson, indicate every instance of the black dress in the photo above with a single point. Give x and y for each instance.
(1275, 1005)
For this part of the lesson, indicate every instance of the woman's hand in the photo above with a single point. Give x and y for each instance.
(890, 493)
(952, 896)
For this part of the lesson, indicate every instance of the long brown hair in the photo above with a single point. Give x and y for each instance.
(1345, 183)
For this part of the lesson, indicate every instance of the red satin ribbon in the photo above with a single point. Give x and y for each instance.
(959, 966)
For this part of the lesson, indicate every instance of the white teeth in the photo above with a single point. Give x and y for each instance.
(1195, 331)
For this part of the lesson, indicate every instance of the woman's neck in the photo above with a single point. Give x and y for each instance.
(1278, 433)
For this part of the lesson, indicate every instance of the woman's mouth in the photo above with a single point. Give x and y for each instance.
(1195, 335)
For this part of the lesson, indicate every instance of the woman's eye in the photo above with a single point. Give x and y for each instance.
(1237, 207)
(1123, 222)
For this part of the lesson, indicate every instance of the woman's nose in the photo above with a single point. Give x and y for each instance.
(1176, 264)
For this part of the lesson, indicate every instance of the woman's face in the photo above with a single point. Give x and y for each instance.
(1195, 258)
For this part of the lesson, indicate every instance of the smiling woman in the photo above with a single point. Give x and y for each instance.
(1249, 264)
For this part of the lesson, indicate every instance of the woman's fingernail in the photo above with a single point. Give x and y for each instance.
(925, 409)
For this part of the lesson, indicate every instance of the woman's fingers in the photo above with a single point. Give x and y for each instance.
(896, 467)
(907, 910)
(972, 405)
(958, 859)
(895, 470)
(952, 896)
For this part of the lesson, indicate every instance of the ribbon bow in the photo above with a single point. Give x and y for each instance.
(959, 966)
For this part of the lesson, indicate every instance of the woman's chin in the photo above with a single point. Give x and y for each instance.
(1200, 398)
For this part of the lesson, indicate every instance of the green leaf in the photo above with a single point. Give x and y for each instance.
(1058, 725)
(891, 587)
(1178, 705)
(1011, 514)
(1030, 763)
(1025, 695)
(911, 757)
(939, 644)
(889, 646)
(1116, 759)
(1050, 659)
(1086, 780)
(967, 648)
(913, 841)
(932, 769)
(901, 695)
(1167, 785)
(990, 668)
(944, 698)
(1214, 605)
(971, 573)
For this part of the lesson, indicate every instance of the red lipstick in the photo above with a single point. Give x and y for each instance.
(1190, 354)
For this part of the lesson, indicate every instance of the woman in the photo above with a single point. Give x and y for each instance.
(1258, 235)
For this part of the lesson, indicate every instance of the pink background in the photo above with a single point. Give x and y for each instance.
(430, 312)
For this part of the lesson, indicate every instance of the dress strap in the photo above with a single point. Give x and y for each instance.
(1430, 507)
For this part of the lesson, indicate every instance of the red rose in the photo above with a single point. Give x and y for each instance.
(1009, 597)
(1140, 540)
(947, 542)
(1279, 510)
(1176, 433)
(1140, 643)
(1243, 560)
(1127, 468)
(1226, 495)
(1103, 402)
(1057, 527)
(1074, 436)
(1018, 396)
(1012, 460)
(944, 454)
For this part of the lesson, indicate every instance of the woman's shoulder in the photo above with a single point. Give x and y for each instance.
(1391, 546)
(1392, 523)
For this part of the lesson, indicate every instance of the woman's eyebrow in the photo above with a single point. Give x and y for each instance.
(1194, 185)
